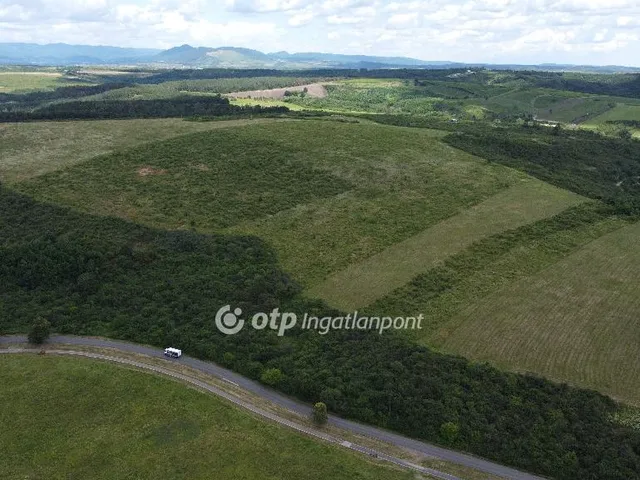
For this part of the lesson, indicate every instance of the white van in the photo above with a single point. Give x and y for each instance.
(172, 352)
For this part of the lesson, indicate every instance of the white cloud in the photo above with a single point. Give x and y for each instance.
(344, 20)
(513, 31)
(403, 20)
(299, 19)
(262, 6)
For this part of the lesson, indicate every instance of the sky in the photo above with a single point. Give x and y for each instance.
(595, 32)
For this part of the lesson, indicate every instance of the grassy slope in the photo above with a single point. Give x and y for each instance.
(361, 284)
(32, 149)
(70, 418)
(24, 81)
(403, 181)
(621, 111)
(575, 321)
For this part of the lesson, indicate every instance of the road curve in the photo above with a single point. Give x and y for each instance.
(294, 405)
(248, 406)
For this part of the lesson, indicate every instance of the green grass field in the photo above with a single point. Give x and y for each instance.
(360, 284)
(71, 418)
(621, 111)
(325, 194)
(15, 81)
(575, 321)
(34, 148)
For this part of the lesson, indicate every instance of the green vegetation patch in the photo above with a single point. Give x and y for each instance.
(404, 180)
(575, 321)
(621, 112)
(435, 99)
(34, 148)
(208, 180)
(79, 418)
(361, 284)
(12, 81)
(325, 194)
(581, 161)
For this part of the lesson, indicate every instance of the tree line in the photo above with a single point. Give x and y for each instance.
(585, 162)
(183, 106)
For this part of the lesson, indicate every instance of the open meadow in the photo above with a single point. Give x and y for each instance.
(21, 81)
(80, 418)
(575, 321)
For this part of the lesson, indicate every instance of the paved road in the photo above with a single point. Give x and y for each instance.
(297, 406)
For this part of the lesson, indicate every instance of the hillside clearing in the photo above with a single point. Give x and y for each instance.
(16, 81)
(576, 321)
(366, 187)
(35, 148)
(314, 90)
(361, 284)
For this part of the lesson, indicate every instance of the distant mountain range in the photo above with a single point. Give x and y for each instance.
(186, 56)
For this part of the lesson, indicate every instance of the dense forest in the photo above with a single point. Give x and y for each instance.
(621, 85)
(104, 276)
(184, 106)
(599, 167)
(38, 96)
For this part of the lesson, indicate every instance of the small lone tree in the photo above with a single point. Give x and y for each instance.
(40, 331)
(271, 376)
(320, 415)
(449, 432)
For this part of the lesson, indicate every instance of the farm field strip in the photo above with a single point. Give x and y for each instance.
(362, 283)
(314, 90)
(621, 111)
(576, 321)
(16, 81)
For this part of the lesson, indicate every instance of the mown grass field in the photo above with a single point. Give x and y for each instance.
(72, 418)
(575, 321)
(35, 148)
(16, 81)
(621, 111)
(361, 284)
